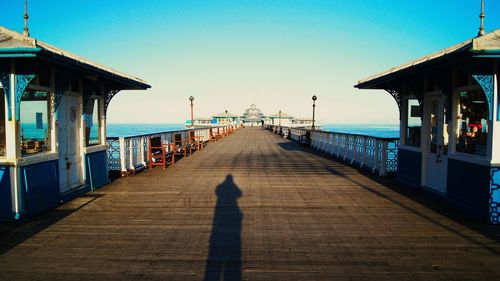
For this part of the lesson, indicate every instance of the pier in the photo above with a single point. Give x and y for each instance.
(252, 206)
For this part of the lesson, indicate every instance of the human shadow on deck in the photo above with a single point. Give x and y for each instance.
(224, 255)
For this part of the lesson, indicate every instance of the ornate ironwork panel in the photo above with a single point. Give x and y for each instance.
(398, 98)
(22, 81)
(392, 156)
(107, 99)
(113, 154)
(486, 83)
(495, 195)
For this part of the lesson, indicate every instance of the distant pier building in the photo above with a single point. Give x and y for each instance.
(450, 122)
(252, 117)
(52, 124)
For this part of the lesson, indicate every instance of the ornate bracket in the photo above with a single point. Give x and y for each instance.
(5, 80)
(486, 83)
(398, 98)
(22, 81)
(107, 99)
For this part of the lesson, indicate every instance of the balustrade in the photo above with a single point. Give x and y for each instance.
(127, 155)
(380, 155)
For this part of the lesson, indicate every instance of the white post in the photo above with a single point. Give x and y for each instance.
(495, 130)
(122, 156)
(383, 167)
(376, 151)
(142, 151)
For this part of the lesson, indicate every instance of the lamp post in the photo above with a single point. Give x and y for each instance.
(280, 118)
(314, 98)
(191, 99)
(226, 116)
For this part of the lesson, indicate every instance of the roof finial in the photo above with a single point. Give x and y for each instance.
(481, 17)
(26, 31)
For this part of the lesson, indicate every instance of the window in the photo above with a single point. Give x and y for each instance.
(92, 124)
(35, 122)
(472, 123)
(413, 122)
(2, 124)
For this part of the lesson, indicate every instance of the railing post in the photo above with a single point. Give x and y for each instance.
(123, 161)
(131, 153)
(364, 152)
(376, 152)
(383, 169)
(354, 148)
(142, 151)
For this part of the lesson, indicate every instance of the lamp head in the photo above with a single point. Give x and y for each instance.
(314, 98)
(191, 98)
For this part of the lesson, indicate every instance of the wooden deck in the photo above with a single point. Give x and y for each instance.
(251, 207)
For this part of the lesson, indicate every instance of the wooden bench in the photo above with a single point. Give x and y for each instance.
(160, 154)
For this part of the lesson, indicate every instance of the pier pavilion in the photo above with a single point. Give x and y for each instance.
(253, 116)
(450, 122)
(52, 124)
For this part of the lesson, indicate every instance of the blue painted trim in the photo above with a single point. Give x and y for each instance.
(22, 55)
(486, 83)
(90, 174)
(22, 81)
(25, 180)
(19, 50)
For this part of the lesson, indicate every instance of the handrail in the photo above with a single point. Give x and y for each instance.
(380, 155)
(128, 154)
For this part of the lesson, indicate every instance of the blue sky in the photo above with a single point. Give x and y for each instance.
(230, 54)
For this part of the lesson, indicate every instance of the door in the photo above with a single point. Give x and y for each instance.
(70, 160)
(436, 150)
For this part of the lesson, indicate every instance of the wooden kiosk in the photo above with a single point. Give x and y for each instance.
(450, 123)
(52, 124)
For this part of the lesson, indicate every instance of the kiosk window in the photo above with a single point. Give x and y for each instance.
(92, 124)
(472, 123)
(413, 123)
(35, 122)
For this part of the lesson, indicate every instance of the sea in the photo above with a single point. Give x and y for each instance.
(30, 131)
(381, 131)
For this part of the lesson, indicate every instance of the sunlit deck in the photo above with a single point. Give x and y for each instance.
(253, 206)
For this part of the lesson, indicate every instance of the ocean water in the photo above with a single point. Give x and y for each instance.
(382, 131)
(125, 130)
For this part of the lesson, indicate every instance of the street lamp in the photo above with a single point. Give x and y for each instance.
(280, 118)
(191, 99)
(314, 98)
(226, 116)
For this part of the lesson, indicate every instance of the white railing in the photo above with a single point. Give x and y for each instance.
(377, 154)
(127, 155)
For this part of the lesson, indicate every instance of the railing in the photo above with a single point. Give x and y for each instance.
(380, 155)
(126, 155)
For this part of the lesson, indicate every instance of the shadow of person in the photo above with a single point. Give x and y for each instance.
(224, 254)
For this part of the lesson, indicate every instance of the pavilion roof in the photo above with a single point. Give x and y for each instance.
(14, 44)
(486, 45)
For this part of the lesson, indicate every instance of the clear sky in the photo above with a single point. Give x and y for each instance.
(230, 54)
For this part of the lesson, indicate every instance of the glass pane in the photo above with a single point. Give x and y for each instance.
(92, 124)
(473, 123)
(446, 136)
(35, 122)
(413, 123)
(434, 111)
